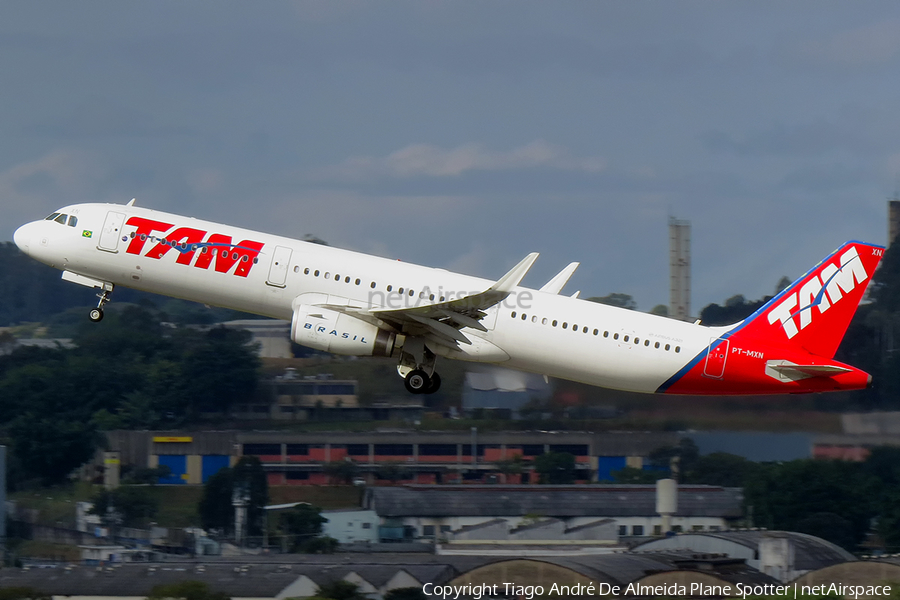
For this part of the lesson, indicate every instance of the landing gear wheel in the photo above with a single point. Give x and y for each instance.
(417, 382)
(96, 315)
(435, 384)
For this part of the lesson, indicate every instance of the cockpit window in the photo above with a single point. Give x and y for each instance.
(61, 219)
(51, 217)
(73, 220)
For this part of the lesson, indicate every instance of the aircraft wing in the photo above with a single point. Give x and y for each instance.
(442, 321)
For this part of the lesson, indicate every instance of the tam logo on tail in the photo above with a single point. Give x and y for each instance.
(813, 313)
(836, 281)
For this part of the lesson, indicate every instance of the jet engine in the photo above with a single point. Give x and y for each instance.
(339, 333)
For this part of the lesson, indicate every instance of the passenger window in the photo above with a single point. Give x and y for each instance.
(625, 339)
(584, 330)
(357, 282)
(61, 219)
(637, 340)
(73, 220)
(346, 280)
(565, 325)
(596, 331)
(372, 285)
(534, 319)
(316, 273)
(390, 287)
(400, 291)
(412, 293)
(524, 316)
(554, 323)
(544, 321)
(575, 328)
(244, 258)
(606, 334)
(337, 277)
(677, 348)
(656, 345)
(224, 252)
(431, 297)
(646, 342)
(327, 275)
(306, 271)
(296, 268)
(667, 347)
(615, 336)
(513, 314)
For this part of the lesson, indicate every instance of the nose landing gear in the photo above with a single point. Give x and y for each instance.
(96, 314)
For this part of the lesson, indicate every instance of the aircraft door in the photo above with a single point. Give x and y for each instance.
(112, 229)
(279, 267)
(715, 358)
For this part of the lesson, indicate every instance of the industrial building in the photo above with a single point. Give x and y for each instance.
(426, 457)
(552, 513)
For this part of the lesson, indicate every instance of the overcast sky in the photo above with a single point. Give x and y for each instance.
(465, 135)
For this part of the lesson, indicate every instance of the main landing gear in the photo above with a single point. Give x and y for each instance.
(418, 382)
(96, 314)
(417, 368)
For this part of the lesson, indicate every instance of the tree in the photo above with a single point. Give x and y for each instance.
(393, 472)
(186, 590)
(720, 468)
(615, 299)
(555, 468)
(660, 310)
(796, 493)
(301, 524)
(510, 466)
(133, 504)
(216, 509)
(686, 452)
(341, 471)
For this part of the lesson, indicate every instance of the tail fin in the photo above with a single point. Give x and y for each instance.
(813, 313)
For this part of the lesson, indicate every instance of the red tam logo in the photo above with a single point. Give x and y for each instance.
(192, 243)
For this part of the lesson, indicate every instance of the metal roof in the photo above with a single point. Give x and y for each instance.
(549, 501)
(810, 552)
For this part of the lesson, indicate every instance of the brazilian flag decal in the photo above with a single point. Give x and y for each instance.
(87, 233)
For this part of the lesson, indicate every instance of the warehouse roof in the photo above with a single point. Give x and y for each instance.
(810, 552)
(548, 500)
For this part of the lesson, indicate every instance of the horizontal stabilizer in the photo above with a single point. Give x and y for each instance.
(786, 370)
(555, 285)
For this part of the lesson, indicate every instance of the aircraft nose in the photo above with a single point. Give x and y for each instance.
(22, 237)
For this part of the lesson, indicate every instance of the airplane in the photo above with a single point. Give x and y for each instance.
(349, 303)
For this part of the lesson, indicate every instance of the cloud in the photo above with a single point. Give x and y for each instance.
(427, 160)
(33, 188)
(867, 46)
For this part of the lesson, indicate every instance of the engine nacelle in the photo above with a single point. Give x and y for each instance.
(339, 333)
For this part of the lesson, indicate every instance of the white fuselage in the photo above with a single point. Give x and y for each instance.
(531, 330)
